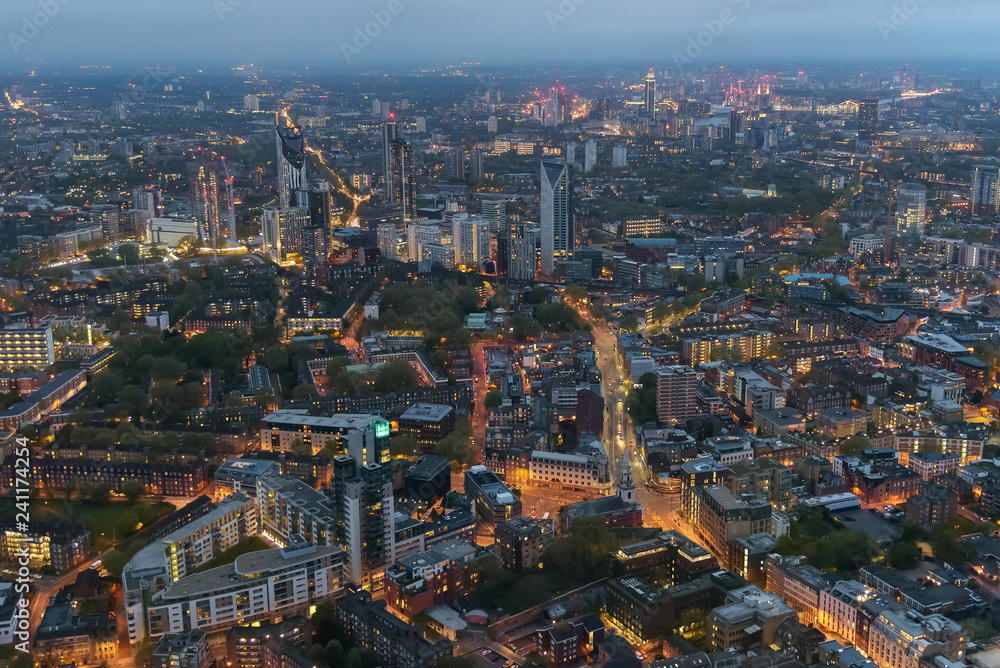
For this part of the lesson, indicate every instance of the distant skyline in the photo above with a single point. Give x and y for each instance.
(299, 33)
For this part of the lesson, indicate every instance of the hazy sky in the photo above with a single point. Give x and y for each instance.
(315, 32)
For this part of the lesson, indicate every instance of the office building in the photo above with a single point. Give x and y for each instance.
(902, 639)
(402, 178)
(23, 348)
(798, 583)
(427, 481)
(282, 230)
(258, 586)
(495, 502)
(523, 542)
(291, 162)
(911, 210)
(720, 517)
(676, 394)
(182, 650)
(369, 624)
(522, 264)
(427, 423)
(558, 234)
(840, 608)
(749, 616)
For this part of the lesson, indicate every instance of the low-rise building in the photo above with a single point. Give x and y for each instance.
(182, 650)
(370, 625)
(749, 616)
(523, 542)
(900, 639)
(494, 500)
(246, 644)
(932, 465)
(427, 423)
(438, 576)
(933, 504)
(56, 544)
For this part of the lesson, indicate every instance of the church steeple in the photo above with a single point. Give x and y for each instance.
(626, 490)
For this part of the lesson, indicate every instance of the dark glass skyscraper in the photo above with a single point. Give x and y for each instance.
(291, 148)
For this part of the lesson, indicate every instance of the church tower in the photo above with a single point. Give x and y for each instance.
(626, 490)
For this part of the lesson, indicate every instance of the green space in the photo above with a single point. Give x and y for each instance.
(575, 558)
(109, 522)
(827, 544)
(252, 544)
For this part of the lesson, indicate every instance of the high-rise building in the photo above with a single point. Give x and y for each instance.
(867, 119)
(571, 152)
(321, 206)
(402, 178)
(388, 240)
(495, 212)
(650, 97)
(390, 133)
(522, 263)
(420, 234)
(558, 238)
(106, 215)
(476, 172)
(149, 201)
(676, 394)
(911, 210)
(282, 231)
(454, 163)
(251, 102)
(589, 156)
(314, 247)
(985, 189)
(619, 157)
(132, 225)
(356, 512)
(471, 237)
(491, 124)
(291, 147)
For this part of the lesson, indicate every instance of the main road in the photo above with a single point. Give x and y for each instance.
(659, 510)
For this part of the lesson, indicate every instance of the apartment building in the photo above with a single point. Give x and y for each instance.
(258, 586)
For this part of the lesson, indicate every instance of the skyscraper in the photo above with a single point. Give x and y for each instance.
(558, 238)
(867, 119)
(282, 231)
(390, 133)
(291, 147)
(314, 248)
(650, 97)
(495, 212)
(106, 215)
(522, 263)
(321, 206)
(911, 210)
(589, 155)
(985, 189)
(402, 178)
(571, 152)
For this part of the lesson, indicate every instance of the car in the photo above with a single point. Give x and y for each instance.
(508, 663)
(96, 564)
(486, 652)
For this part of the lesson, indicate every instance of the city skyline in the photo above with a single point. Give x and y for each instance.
(207, 33)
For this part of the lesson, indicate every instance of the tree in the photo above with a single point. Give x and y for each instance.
(493, 399)
(945, 544)
(354, 659)
(144, 655)
(304, 391)
(776, 350)
(904, 555)
(300, 448)
(404, 447)
(629, 323)
(576, 293)
(114, 561)
(855, 444)
(133, 490)
(99, 494)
